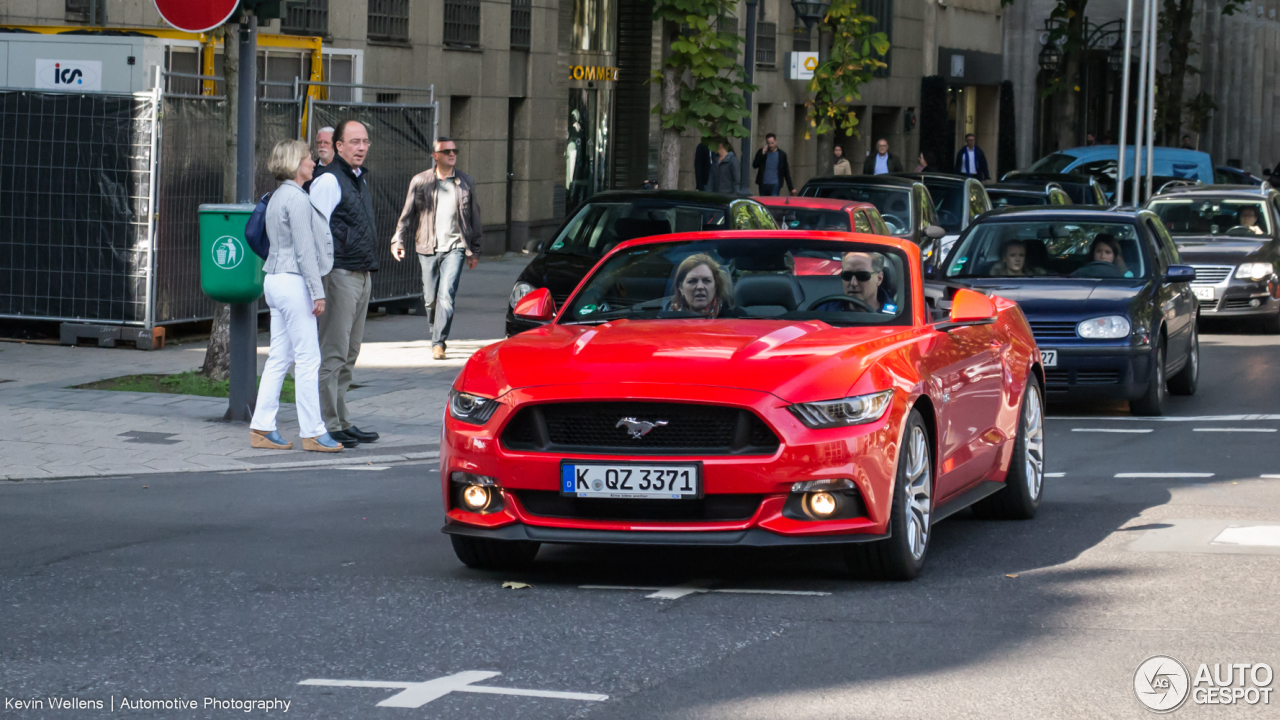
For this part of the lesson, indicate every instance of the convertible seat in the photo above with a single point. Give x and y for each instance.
(768, 295)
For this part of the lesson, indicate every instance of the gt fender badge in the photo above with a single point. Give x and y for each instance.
(639, 428)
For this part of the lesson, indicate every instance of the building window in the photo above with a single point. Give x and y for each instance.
(592, 25)
(882, 11)
(766, 44)
(305, 17)
(521, 24)
(388, 98)
(79, 11)
(462, 23)
(389, 20)
(801, 38)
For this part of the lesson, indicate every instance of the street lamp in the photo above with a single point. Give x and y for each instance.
(1115, 57)
(810, 11)
(1050, 57)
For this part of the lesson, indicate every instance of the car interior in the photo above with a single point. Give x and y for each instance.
(1052, 250)
(600, 227)
(1209, 217)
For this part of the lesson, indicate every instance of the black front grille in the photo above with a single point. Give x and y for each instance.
(549, 503)
(1237, 304)
(679, 429)
(1057, 377)
(1064, 378)
(1053, 331)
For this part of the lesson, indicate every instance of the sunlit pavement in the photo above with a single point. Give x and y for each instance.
(333, 589)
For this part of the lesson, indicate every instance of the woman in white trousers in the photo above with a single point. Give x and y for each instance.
(301, 253)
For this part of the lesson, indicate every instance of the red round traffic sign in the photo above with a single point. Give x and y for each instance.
(196, 16)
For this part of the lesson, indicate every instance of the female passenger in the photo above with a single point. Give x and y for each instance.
(1013, 261)
(702, 287)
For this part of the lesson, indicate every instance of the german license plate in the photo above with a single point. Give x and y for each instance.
(1050, 357)
(1204, 293)
(628, 481)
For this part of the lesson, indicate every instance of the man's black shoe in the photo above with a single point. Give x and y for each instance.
(363, 436)
(347, 439)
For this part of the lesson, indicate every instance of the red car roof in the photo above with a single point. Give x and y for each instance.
(911, 249)
(812, 202)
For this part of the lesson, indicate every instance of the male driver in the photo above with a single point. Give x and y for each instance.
(862, 277)
(970, 161)
(882, 162)
(771, 168)
(324, 152)
(340, 191)
(442, 217)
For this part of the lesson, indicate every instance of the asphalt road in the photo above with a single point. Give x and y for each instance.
(243, 585)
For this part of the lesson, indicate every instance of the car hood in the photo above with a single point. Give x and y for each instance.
(1218, 251)
(796, 361)
(1064, 297)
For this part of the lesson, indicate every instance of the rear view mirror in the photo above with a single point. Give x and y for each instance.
(969, 307)
(537, 305)
(936, 232)
(1180, 273)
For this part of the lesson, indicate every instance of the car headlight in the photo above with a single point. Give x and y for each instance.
(1254, 271)
(470, 408)
(1110, 327)
(521, 289)
(857, 410)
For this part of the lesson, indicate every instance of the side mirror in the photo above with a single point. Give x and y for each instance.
(1180, 273)
(537, 305)
(969, 307)
(935, 232)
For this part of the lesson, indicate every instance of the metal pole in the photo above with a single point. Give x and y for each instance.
(244, 319)
(749, 64)
(1142, 104)
(1124, 103)
(1151, 96)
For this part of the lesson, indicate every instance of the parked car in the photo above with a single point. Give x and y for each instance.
(959, 200)
(1012, 195)
(776, 410)
(1227, 175)
(1081, 188)
(811, 213)
(905, 204)
(1118, 330)
(1236, 264)
(1101, 159)
(610, 218)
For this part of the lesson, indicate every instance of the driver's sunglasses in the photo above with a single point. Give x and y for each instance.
(449, 151)
(862, 275)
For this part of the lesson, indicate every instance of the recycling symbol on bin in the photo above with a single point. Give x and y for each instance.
(228, 252)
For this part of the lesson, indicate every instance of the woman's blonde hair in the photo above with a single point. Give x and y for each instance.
(724, 285)
(286, 158)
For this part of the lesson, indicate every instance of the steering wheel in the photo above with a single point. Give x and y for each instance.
(1240, 230)
(825, 298)
(893, 220)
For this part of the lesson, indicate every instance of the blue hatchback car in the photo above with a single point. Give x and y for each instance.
(1105, 293)
(1100, 160)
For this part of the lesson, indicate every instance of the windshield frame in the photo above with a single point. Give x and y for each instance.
(1260, 206)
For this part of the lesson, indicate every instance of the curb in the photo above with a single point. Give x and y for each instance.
(362, 460)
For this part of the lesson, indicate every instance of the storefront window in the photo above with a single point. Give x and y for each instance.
(587, 153)
(593, 26)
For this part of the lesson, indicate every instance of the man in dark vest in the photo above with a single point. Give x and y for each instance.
(341, 192)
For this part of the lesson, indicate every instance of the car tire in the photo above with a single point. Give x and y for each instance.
(1185, 382)
(901, 555)
(1151, 404)
(486, 554)
(1024, 484)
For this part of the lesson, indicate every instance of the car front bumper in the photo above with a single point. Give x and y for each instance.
(1098, 372)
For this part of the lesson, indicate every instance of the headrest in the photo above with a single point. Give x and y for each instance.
(782, 290)
(632, 228)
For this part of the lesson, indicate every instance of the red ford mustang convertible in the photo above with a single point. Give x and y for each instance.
(697, 390)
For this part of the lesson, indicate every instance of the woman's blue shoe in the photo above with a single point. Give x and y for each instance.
(321, 443)
(268, 440)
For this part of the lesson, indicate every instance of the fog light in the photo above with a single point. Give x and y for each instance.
(475, 497)
(1255, 302)
(822, 504)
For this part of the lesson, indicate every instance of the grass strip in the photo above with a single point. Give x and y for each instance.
(185, 383)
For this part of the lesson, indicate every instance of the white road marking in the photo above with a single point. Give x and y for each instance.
(1164, 475)
(415, 695)
(1259, 430)
(1171, 418)
(1062, 474)
(1256, 535)
(678, 591)
(1113, 430)
(362, 467)
(675, 592)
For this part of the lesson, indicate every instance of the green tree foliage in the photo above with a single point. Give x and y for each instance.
(704, 58)
(855, 55)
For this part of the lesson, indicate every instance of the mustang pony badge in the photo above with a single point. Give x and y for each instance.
(639, 428)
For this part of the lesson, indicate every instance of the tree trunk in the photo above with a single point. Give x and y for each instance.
(1069, 99)
(1178, 14)
(826, 160)
(669, 154)
(217, 357)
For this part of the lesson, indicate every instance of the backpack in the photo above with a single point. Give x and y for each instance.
(255, 231)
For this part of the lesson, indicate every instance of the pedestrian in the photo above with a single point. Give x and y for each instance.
(926, 164)
(1090, 140)
(970, 161)
(1186, 143)
(324, 152)
(882, 161)
(772, 170)
(301, 254)
(841, 166)
(341, 192)
(702, 166)
(726, 174)
(441, 217)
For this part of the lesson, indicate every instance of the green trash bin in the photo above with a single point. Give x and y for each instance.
(229, 271)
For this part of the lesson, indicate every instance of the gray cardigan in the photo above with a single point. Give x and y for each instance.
(301, 242)
(726, 174)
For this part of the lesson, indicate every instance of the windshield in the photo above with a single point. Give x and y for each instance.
(1055, 163)
(797, 218)
(837, 282)
(599, 226)
(1214, 217)
(1049, 249)
(950, 201)
(1002, 198)
(894, 203)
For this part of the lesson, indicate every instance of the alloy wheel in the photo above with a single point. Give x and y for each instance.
(1033, 430)
(918, 491)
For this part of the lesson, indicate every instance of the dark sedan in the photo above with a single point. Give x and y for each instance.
(904, 203)
(1082, 189)
(609, 218)
(1009, 195)
(1105, 292)
(1231, 236)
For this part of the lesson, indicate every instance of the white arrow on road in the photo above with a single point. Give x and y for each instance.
(415, 695)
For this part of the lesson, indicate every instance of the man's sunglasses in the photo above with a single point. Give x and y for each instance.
(862, 275)
(449, 151)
